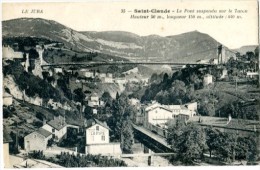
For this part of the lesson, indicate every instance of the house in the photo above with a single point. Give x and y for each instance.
(97, 132)
(120, 80)
(252, 74)
(7, 99)
(207, 79)
(110, 75)
(158, 115)
(9, 54)
(180, 110)
(6, 140)
(193, 106)
(224, 74)
(106, 79)
(102, 75)
(37, 140)
(94, 101)
(89, 74)
(58, 70)
(57, 127)
(97, 139)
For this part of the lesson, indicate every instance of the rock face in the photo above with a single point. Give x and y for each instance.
(187, 47)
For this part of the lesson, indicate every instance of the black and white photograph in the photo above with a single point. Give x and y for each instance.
(130, 84)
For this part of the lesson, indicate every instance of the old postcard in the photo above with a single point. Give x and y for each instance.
(130, 84)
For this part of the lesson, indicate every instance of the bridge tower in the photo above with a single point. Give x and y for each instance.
(220, 54)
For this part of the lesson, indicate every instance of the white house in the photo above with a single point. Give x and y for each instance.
(89, 74)
(57, 127)
(251, 74)
(37, 140)
(158, 115)
(97, 139)
(93, 100)
(7, 99)
(224, 74)
(102, 75)
(207, 79)
(110, 75)
(58, 70)
(193, 106)
(107, 79)
(97, 132)
(10, 54)
(120, 80)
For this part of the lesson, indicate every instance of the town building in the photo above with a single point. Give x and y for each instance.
(110, 75)
(224, 74)
(251, 74)
(37, 140)
(6, 140)
(158, 115)
(7, 99)
(193, 106)
(57, 127)
(89, 74)
(94, 101)
(207, 79)
(97, 139)
(58, 70)
(107, 79)
(120, 81)
(9, 54)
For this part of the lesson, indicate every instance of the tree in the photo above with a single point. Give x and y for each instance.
(127, 136)
(211, 136)
(189, 142)
(106, 97)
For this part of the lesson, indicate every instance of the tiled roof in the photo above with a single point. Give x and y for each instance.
(57, 123)
(43, 132)
(92, 122)
(6, 137)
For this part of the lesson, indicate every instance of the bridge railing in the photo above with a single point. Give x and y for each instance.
(156, 129)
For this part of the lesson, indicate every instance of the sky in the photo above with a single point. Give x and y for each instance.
(107, 16)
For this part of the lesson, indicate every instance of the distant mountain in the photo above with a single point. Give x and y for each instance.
(242, 50)
(187, 47)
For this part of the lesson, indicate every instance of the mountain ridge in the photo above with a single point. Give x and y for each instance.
(173, 48)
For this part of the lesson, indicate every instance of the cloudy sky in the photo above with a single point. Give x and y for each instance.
(107, 16)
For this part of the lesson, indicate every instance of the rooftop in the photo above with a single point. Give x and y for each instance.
(92, 122)
(43, 132)
(57, 123)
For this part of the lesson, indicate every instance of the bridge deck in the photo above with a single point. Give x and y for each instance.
(122, 63)
(152, 135)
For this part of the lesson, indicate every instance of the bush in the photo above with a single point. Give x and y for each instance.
(36, 155)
